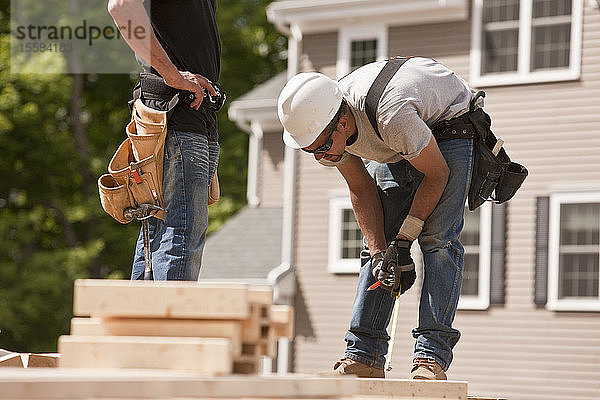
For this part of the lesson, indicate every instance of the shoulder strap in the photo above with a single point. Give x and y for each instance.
(378, 86)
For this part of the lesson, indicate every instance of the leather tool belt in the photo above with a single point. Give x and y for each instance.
(495, 176)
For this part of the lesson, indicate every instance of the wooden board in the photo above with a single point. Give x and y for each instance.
(201, 355)
(252, 326)
(229, 329)
(401, 389)
(76, 384)
(260, 294)
(11, 360)
(282, 320)
(49, 360)
(165, 299)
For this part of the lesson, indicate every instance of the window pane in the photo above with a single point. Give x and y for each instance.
(469, 237)
(470, 283)
(500, 10)
(470, 233)
(500, 52)
(579, 224)
(351, 235)
(578, 275)
(363, 52)
(551, 46)
(551, 8)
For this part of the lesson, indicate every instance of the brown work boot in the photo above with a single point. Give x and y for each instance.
(347, 366)
(424, 368)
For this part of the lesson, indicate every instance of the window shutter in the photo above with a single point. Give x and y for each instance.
(498, 254)
(541, 251)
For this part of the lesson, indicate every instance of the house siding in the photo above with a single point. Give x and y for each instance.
(271, 163)
(516, 350)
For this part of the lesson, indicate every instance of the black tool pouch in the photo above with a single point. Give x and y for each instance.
(494, 177)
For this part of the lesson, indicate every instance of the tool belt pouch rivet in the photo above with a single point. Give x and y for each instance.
(494, 177)
(136, 170)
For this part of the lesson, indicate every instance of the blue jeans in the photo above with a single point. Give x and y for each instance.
(367, 339)
(177, 242)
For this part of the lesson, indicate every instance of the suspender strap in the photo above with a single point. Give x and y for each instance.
(377, 88)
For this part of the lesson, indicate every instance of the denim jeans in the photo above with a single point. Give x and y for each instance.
(177, 242)
(367, 339)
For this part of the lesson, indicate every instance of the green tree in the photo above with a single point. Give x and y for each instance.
(57, 133)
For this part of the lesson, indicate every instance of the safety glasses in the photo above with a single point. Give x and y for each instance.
(324, 148)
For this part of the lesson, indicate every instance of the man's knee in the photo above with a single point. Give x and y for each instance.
(434, 243)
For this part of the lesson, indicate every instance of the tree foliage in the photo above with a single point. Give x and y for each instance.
(57, 133)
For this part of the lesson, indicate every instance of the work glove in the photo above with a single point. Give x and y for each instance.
(395, 269)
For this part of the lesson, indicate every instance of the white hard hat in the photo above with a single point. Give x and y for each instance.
(307, 103)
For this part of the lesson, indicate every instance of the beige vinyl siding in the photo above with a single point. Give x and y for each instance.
(516, 350)
(271, 170)
(319, 53)
(447, 43)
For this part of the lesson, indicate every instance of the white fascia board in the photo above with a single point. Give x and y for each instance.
(327, 15)
(263, 112)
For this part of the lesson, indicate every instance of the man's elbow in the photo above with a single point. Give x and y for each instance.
(116, 7)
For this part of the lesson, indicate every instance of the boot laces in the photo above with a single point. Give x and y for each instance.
(424, 362)
(344, 362)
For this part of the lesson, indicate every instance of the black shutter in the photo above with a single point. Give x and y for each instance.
(541, 251)
(498, 254)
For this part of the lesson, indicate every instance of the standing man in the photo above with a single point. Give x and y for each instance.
(178, 45)
(414, 188)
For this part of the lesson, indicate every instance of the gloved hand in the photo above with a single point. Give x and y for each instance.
(396, 269)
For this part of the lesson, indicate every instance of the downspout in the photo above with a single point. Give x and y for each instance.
(282, 278)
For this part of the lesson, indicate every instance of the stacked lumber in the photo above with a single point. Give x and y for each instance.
(80, 384)
(207, 328)
(27, 360)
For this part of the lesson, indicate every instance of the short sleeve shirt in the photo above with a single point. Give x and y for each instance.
(419, 95)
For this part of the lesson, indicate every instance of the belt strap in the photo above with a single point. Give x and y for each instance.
(376, 90)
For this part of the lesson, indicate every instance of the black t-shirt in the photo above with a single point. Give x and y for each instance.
(187, 30)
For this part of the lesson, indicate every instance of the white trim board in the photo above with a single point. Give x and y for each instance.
(348, 34)
(328, 15)
(482, 300)
(523, 75)
(554, 303)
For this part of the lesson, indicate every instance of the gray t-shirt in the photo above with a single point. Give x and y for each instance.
(420, 94)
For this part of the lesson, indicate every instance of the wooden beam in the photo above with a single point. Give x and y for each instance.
(282, 319)
(13, 360)
(48, 360)
(228, 329)
(201, 355)
(165, 299)
(260, 294)
(403, 389)
(79, 384)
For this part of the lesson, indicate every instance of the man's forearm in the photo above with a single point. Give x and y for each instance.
(369, 215)
(132, 13)
(427, 196)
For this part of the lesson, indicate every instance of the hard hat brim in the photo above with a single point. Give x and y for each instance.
(298, 143)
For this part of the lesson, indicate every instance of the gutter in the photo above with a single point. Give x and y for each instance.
(282, 277)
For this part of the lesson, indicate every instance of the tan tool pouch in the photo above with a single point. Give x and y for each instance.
(136, 170)
(214, 191)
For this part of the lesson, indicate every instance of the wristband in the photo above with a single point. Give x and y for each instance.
(411, 227)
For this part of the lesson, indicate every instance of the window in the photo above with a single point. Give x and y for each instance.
(574, 252)
(524, 41)
(345, 237)
(362, 52)
(360, 45)
(476, 240)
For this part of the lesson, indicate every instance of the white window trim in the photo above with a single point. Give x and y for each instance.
(482, 300)
(554, 303)
(336, 264)
(348, 34)
(523, 75)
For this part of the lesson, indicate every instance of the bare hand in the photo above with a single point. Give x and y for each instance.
(194, 83)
